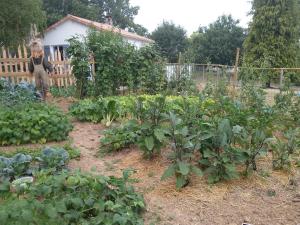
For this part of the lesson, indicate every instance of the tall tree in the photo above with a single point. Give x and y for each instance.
(121, 11)
(171, 40)
(218, 42)
(16, 17)
(273, 35)
(297, 19)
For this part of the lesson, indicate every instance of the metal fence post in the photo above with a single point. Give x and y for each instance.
(281, 78)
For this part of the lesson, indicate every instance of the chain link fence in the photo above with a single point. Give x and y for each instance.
(204, 73)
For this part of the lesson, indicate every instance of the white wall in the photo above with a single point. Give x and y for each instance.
(136, 43)
(60, 34)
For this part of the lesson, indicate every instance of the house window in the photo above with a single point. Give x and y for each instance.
(63, 51)
(47, 51)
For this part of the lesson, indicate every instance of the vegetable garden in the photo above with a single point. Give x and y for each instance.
(210, 156)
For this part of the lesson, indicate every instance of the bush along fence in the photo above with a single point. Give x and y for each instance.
(14, 67)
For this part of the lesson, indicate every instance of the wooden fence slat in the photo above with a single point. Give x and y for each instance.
(4, 57)
(20, 57)
(25, 57)
(16, 68)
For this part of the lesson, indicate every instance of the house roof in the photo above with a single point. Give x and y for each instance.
(100, 26)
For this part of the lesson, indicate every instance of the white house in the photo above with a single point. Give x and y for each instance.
(56, 36)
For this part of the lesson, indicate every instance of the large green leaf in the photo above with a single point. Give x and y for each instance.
(169, 172)
(159, 134)
(196, 171)
(184, 168)
(149, 143)
(180, 181)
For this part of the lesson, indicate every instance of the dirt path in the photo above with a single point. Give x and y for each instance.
(260, 199)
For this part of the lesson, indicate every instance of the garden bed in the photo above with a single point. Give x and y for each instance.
(265, 196)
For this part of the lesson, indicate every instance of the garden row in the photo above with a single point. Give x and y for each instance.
(25, 119)
(211, 134)
(40, 190)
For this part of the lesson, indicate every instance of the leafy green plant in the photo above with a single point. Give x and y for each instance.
(118, 138)
(183, 148)
(80, 63)
(287, 106)
(284, 148)
(33, 123)
(16, 166)
(152, 134)
(181, 80)
(56, 158)
(219, 157)
(94, 110)
(110, 112)
(74, 198)
(150, 67)
(88, 110)
(253, 143)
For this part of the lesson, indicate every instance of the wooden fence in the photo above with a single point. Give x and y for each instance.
(14, 67)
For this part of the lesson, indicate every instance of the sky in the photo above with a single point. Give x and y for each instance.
(189, 14)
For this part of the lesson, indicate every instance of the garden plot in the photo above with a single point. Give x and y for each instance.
(267, 192)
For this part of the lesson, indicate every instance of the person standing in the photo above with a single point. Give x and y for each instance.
(40, 67)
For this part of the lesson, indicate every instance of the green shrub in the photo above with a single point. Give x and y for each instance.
(80, 64)
(74, 198)
(32, 123)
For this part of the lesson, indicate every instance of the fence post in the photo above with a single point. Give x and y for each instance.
(203, 71)
(235, 74)
(281, 78)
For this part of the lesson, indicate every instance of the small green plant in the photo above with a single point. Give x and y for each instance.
(219, 158)
(11, 168)
(110, 112)
(284, 148)
(118, 138)
(183, 149)
(56, 158)
(252, 143)
(88, 110)
(152, 134)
